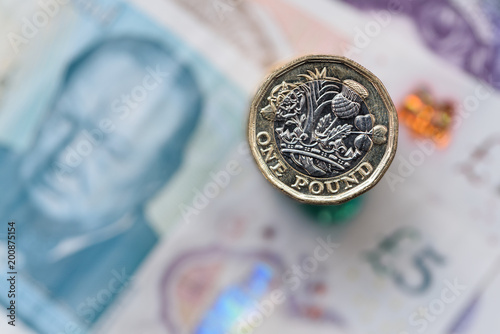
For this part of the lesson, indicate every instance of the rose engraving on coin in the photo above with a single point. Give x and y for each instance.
(323, 129)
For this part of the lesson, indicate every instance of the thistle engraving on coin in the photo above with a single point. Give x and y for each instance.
(323, 129)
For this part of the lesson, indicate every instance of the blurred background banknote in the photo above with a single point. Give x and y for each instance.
(266, 266)
(464, 32)
(108, 122)
(119, 136)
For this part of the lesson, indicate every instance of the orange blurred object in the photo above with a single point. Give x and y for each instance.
(427, 118)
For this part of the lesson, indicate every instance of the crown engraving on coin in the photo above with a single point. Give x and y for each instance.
(323, 129)
(321, 124)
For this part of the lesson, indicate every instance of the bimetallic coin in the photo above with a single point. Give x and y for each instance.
(323, 129)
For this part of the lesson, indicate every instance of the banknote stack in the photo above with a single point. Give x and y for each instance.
(124, 163)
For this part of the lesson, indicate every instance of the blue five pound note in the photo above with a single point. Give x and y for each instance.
(88, 140)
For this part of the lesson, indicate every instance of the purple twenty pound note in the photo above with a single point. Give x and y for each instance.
(450, 31)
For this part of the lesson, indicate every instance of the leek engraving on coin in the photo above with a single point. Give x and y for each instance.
(322, 125)
(323, 129)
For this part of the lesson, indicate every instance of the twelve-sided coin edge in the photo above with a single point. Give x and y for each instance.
(379, 170)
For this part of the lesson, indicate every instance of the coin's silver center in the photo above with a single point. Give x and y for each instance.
(323, 127)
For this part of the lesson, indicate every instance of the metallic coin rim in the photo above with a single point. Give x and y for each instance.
(380, 170)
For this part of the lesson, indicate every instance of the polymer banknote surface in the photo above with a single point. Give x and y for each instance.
(105, 117)
(139, 207)
(404, 273)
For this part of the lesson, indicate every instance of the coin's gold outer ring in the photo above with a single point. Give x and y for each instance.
(392, 139)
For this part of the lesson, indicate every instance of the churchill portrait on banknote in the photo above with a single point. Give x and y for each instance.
(115, 134)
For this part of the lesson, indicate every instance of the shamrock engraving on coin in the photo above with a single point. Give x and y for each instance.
(323, 129)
